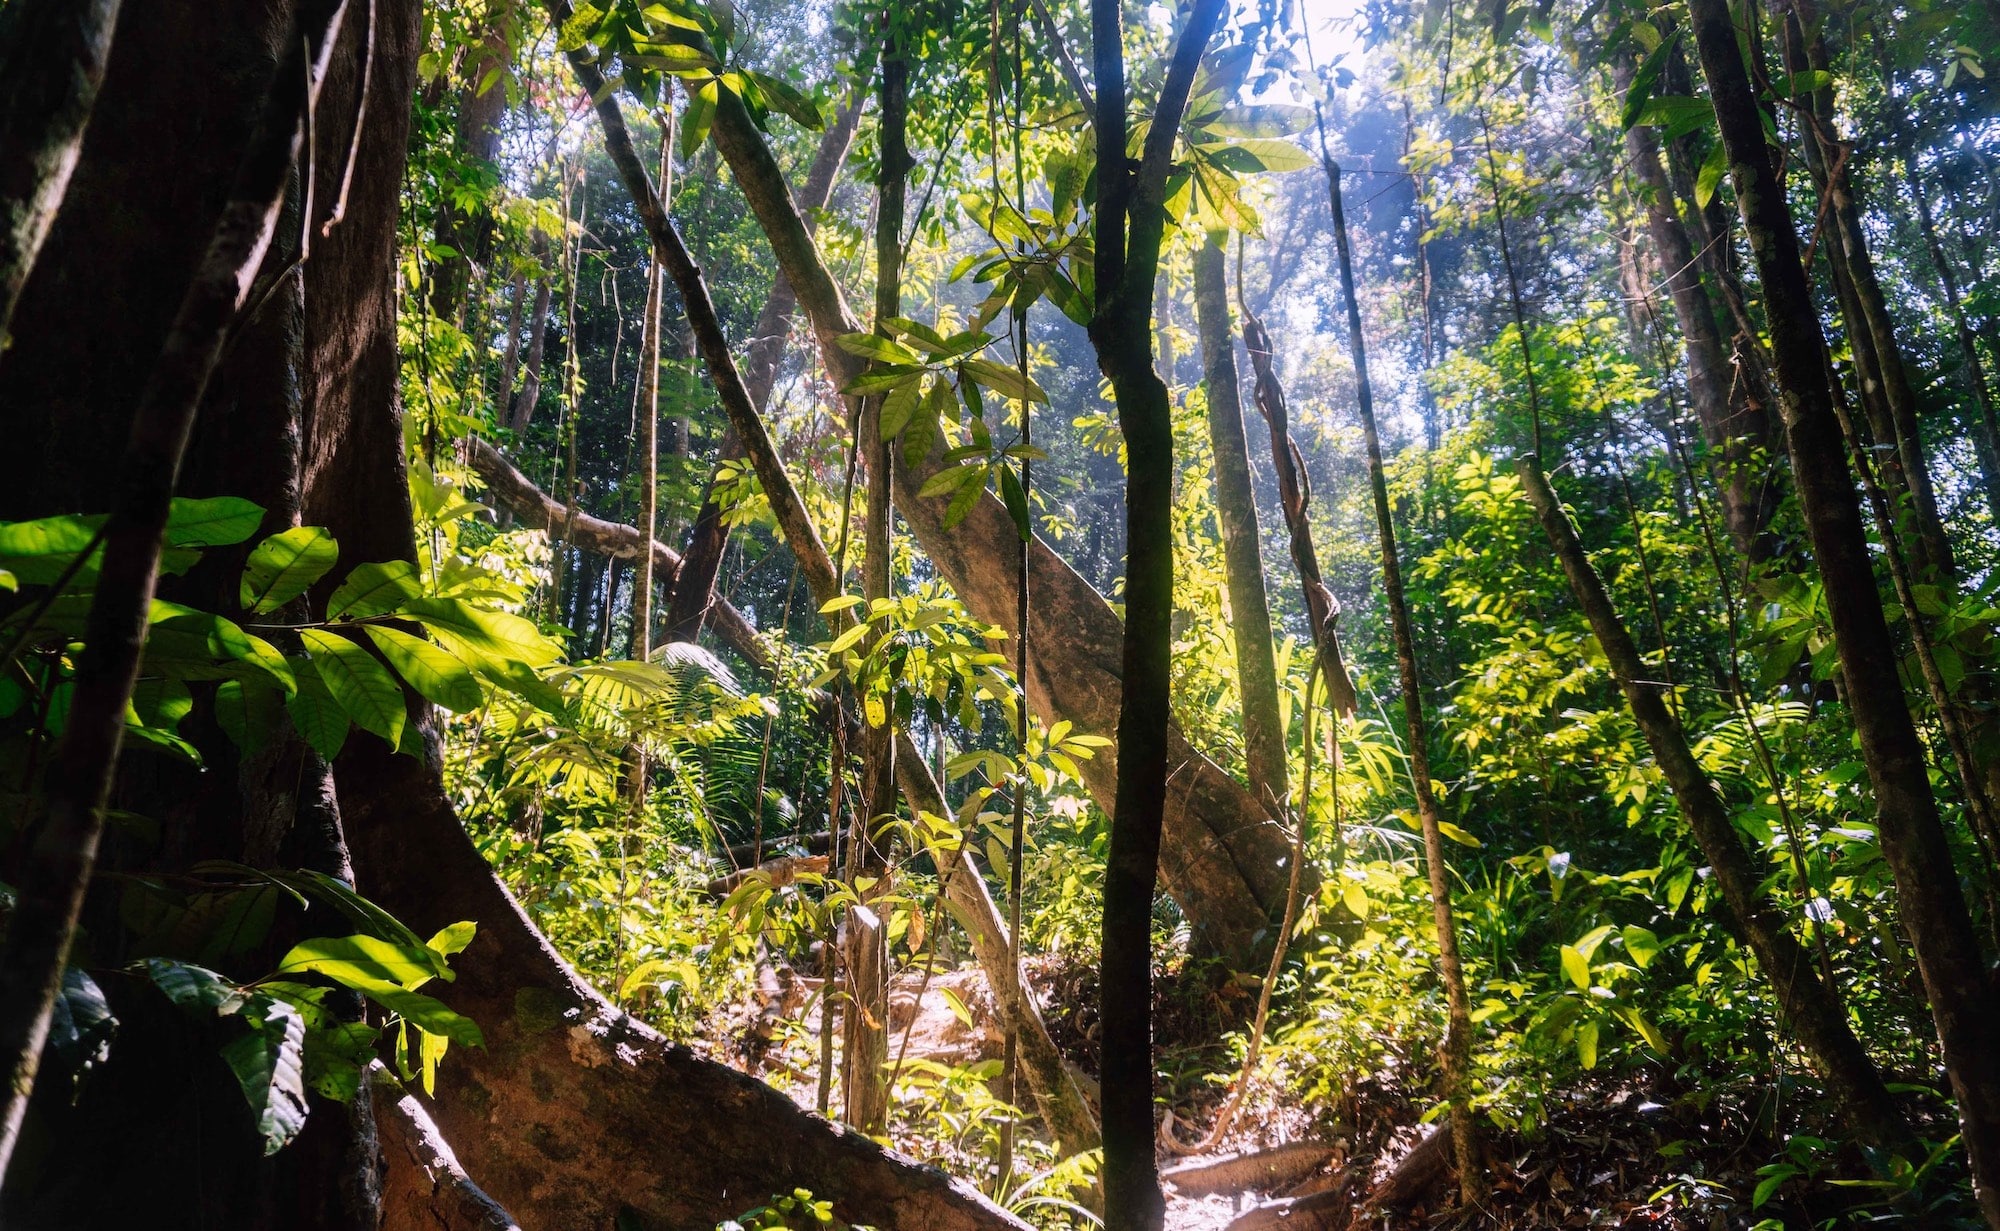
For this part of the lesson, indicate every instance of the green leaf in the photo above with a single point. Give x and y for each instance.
(1649, 1032)
(1586, 1043)
(453, 939)
(314, 712)
(899, 406)
(285, 566)
(360, 684)
(875, 346)
(351, 961)
(249, 713)
(882, 380)
(781, 95)
(1643, 82)
(215, 522)
(950, 479)
(478, 635)
(1003, 380)
(1458, 834)
(1355, 898)
(1577, 967)
(698, 116)
(435, 673)
(192, 987)
(1017, 503)
(372, 590)
(269, 1064)
(38, 551)
(1263, 120)
(1641, 943)
(1273, 155)
(1710, 177)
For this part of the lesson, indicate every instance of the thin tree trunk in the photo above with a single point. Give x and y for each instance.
(49, 73)
(1129, 223)
(1870, 329)
(866, 1035)
(1811, 1008)
(1295, 500)
(694, 589)
(510, 361)
(523, 411)
(1457, 1048)
(63, 853)
(1242, 555)
(1736, 431)
(1964, 1005)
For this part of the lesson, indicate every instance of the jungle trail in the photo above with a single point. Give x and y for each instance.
(672, 615)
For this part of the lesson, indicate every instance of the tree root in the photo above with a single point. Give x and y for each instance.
(1272, 1170)
(423, 1187)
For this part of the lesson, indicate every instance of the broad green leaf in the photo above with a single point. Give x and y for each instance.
(269, 1065)
(318, 717)
(1355, 898)
(1017, 503)
(373, 589)
(1003, 380)
(285, 566)
(898, 406)
(453, 939)
(1643, 81)
(481, 637)
(1275, 155)
(1641, 943)
(38, 551)
(1586, 1043)
(950, 479)
(1710, 177)
(353, 960)
(1263, 120)
(875, 346)
(1458, 834)
(360, 684)
(192, 987)
(1576, 966)
(215, 522)
(435, 673)
(882, 380)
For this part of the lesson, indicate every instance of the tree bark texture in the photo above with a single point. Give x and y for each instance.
(1812, 1010)
(50, 71)
(1221, 859)
(1963, 999)
(1242, 546)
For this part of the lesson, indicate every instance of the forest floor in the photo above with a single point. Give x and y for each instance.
(1614, 1151)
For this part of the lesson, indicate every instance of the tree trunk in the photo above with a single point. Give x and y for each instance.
(50, 69)
(1242, 552)
(694, 588)
(1962, 995)
(1736, 430)
(1221, 858)
(649, 467)
(1128, 224)
(1811, 1008)
(523, 405)
(1457, 1047)
(1871, 332)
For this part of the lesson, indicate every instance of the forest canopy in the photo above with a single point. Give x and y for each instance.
(954, 616)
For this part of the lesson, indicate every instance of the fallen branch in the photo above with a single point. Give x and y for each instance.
(1416, 1174)
(1272, 1170)
(781, 871)
(540, 511)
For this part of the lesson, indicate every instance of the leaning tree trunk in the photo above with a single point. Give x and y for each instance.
(1242, 546)
(694, 588)
(1221, 858)
(1812, 1010)
(816, 565)
(50, 70)
(1963, 999)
